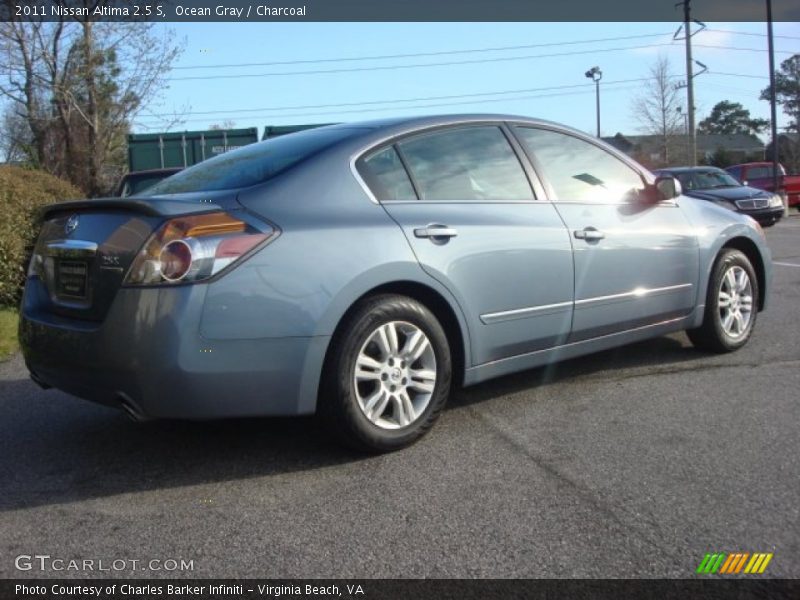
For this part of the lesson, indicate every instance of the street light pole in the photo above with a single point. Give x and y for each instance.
(595, 74)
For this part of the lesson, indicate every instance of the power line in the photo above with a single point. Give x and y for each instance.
(412, 66)
(420, 54)
(435, 105)
(738, 75)
(392, 101)
(783, 37)
(395, 101)
(715, 47)
(452, 63)
(453, 52)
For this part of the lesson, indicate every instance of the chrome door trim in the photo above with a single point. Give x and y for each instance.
(531, 311)
(360, 179)
(636, 293)
(522, 313)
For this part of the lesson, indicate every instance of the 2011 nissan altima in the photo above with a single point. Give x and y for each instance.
(360, 271)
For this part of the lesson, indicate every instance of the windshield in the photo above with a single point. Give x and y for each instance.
(706, 179)
(251, 164)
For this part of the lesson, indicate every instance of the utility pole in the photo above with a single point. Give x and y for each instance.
(772, 108)
(687, 24)
(685, 130)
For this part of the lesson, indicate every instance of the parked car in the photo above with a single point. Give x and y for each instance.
(361, 271)
(715, 185)
(139, 181)
(759, 175)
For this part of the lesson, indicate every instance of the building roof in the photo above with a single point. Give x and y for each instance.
(707, 143)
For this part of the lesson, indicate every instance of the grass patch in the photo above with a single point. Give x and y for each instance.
(8, 332)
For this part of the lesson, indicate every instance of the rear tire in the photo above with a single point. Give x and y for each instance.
(387, 376)
(731, 305)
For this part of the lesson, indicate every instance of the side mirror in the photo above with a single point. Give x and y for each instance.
(667, 187)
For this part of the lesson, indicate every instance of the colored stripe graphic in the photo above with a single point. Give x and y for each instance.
(727, 564)
(711, 562)
(754, 563)
(740, 564)
(730, 564)
(718, 563)
(702, 566)
(733, 563)
(764, 564)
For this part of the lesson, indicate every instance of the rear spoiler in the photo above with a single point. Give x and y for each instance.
(154, 207)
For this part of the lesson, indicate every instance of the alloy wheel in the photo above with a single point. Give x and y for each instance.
(735, 302)
(395, 375)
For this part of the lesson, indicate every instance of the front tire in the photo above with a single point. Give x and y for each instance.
(731, 305)
(388, 375)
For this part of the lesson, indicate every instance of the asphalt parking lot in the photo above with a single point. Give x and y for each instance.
(630, 463)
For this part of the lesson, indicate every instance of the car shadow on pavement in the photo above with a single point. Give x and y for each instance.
(57, 449)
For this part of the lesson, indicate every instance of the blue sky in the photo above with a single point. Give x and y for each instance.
(538, 82)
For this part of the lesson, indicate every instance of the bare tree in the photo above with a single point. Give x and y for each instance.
(16, 143)
(79, 84)
(226, 124)
(657, 109)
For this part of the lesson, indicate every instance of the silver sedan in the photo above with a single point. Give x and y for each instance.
(360, 271)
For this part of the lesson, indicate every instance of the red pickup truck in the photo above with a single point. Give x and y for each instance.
(759, 175)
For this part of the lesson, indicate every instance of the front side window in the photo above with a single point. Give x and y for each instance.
(469, 163)
(579, 171)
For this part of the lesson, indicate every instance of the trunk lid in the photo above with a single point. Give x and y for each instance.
(85, 248)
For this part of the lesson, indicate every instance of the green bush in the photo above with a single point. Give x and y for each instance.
(22, 192)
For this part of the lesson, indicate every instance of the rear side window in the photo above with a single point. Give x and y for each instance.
(579, 171)
(251, 164)
(386, 176)
(470, 163)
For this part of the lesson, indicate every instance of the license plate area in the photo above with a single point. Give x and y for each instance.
(72, 278)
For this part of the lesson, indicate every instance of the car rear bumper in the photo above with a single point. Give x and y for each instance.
(148, 357)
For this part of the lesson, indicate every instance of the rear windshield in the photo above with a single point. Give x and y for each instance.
(137, 184)
(251, 164)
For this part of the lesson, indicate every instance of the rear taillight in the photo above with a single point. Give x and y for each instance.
(195, 248)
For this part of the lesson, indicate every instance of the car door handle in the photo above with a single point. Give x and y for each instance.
(589, 234)
(435, 231)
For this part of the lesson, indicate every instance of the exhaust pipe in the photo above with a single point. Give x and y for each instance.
(38, 381)
(131, 410)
